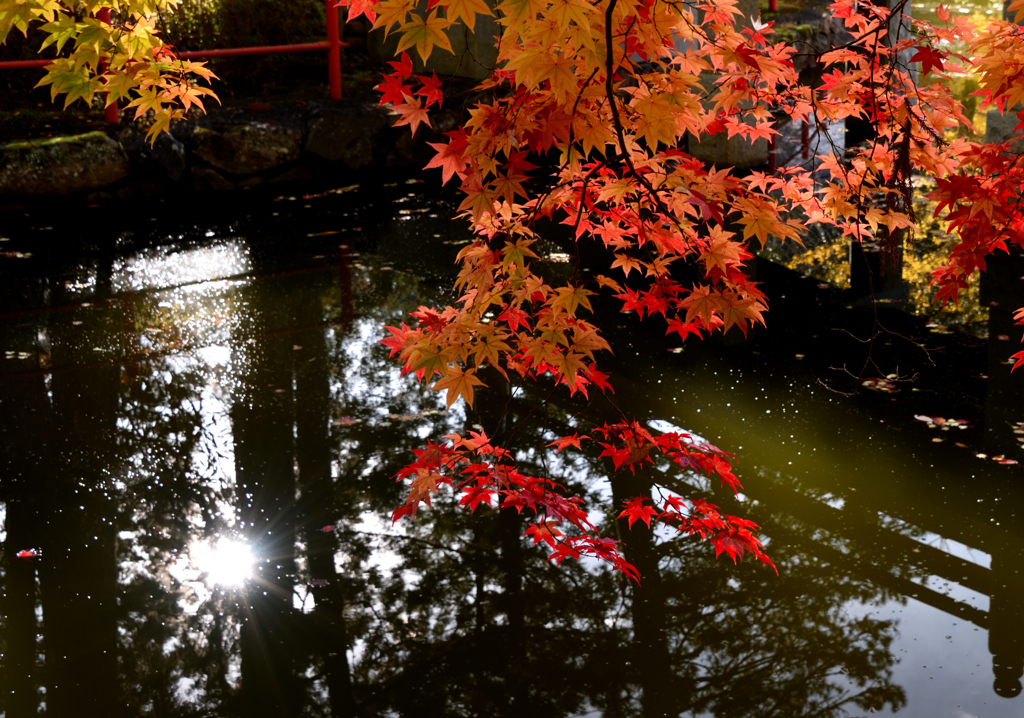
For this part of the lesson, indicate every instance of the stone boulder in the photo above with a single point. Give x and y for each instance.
(62, 165)
(245, 149)
(999, 127)
(346, 135)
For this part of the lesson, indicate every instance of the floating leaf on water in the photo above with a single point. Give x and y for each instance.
(882, 385)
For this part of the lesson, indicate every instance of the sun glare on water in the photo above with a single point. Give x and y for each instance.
(224, 563)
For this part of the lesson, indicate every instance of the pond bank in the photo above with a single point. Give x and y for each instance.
(265, 139)
(227, 149)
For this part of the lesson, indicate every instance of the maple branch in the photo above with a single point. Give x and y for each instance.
(410, 539)
(609, 90)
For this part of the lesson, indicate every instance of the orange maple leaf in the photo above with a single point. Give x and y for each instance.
(458, 383)
(412, 114)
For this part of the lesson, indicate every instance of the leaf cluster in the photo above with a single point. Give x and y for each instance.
(111, 48)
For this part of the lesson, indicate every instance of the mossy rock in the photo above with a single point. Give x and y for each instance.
(62, 165)
(247, 148)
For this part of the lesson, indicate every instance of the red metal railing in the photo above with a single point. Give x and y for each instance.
(333, 45)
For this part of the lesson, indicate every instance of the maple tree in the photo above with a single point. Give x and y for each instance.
(114, 50)
(591, 107)
(593, 104)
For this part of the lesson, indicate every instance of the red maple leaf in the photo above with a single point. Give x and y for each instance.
(476, 495)
(724, 471)
(397, 338)
(733, 543)
(431, 89)
(392, 90)
(359, 7)
(598, 377)
(684, 329)
(636, 510)
(565, 441)
(403, 67)
(515, 318)
(929, 58)
(450, 158)
(545, 532)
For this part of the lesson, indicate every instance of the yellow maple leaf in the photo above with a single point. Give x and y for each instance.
(467, 10)
(424, 33)
(391, 13)
(568, 364)
(570, 298)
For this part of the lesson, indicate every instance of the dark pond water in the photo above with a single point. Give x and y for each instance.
(199, 434)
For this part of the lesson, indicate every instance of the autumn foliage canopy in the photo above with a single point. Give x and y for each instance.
(592, 106)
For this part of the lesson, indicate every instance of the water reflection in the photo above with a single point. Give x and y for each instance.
(171, 396)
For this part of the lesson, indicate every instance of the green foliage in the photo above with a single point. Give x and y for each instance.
(192, 26)
(210, 24)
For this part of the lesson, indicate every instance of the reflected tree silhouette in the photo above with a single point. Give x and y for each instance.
(454, 614)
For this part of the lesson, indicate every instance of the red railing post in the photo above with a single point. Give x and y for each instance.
(110, 112)
(333, 50)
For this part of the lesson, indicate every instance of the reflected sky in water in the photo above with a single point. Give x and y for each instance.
(172, 395)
